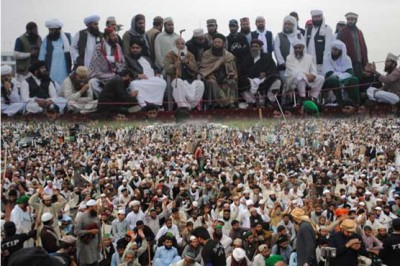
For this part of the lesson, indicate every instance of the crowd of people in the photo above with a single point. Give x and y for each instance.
(201, 193)
(101, 71)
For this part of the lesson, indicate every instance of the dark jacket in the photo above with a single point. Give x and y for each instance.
(345, 256)
(135, 66)
(306, 245)
(268, 36)
(115, 91)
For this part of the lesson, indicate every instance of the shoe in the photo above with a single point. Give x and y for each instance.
(134, 109)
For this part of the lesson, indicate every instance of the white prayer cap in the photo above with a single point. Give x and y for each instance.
(298, 42)
(361, 204)
(249, 202)
(195, 203)
(46, 217)
(91, 203)
(343, 197)
(261, 202)
(238, 254)
(316, 12)
(168, 19)
(392, 57)
(326, 191)
(111, 19)
(194, 185)
(368, 193)
(83, 206)
(103, 195)
(351, 15)
(192, 238)
(121, 212)
(240, 185)
(378, 208)
(198, 33)
(290, 19)
(53, 24)
(247, 191)
(91, 19)
(260, 18)
(134, 203)
(5, 70)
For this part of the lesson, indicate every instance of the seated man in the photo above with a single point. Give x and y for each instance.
(166, 254)
(39, 93)
(10, 98)
(301, 71)
(390, 92)
(77, 91)
(180, 65)
(259, 74)
(117, 90)
(147, 82)
(106, 62)
(218, 69)
(339, 73)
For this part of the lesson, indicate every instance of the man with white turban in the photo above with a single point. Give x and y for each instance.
(390, 92)
(339, 73)
(55, 51)
(301, 71)
(10, 99)
(318, 38)
(85, 41)
(283, 42)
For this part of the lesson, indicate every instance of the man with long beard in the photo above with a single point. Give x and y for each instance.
(87, 230)
(181, 66)
(149, 85)
(318, 38)
(39, 93)
(245, 28)
(26, 50)
(390, 92)
(55, 52)
(259, 74)
(164, 42)
(339, 73)
(353, 38)
(106, 62)
(10, 98)
(301, 71)
(85, 41)
(137, 31)
(218, 69)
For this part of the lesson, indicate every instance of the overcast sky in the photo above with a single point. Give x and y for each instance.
(379, 20)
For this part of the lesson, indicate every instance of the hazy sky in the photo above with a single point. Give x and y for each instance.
(379, 20)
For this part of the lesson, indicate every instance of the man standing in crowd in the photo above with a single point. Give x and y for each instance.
(390, 92)
(296, 16)
(212, 29)
(10, 98)
(237, 44)
(263, 35)
(26, 50)
(390, 253)
(283, 42)
(306, 238)
(87, 230)
(213, 252)
(245, 29)
(339, 73)
(164, 42)
(106, 62)
(218, 68)
(197, 45)
(76, 90)
(85, 41)
(112, 22)
(301, 71)
(181, 66)
(318, 38)
(353, 38)
(48, 236)
(152, 33)
(137, 31)
(22, 220)
(147, 82)
(39, 92)
(55, 52)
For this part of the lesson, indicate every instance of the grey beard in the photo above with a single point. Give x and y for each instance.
(299, 56)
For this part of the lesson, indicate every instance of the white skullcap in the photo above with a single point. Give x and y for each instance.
(5, 70)
(249, 202)
(103, 195)
(192, 238)
(378, 208)
(351, 15)
(81, 207)
(238, 254)
(361, 204)
(392, 57)
(46, 217)
(134, 203)
(368, 193)
(198, 33)
(316, 12)
(91, 19)
(343, 197)
(194, 185)
(247, 191)
(240, 185)
(53, 24)
(261, 202)
(168, 19)
(294, 22)
(326, 191)
(298, 42)
(260, 18)
(91, 203)
(195, 203)
(121, 211)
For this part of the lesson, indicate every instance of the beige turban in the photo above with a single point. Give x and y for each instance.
(300, 214)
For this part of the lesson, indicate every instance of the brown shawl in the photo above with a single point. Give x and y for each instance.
(211, 63)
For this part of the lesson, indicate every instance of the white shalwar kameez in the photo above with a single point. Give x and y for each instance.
(15, 104)
(23, 223)
(187, 95)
